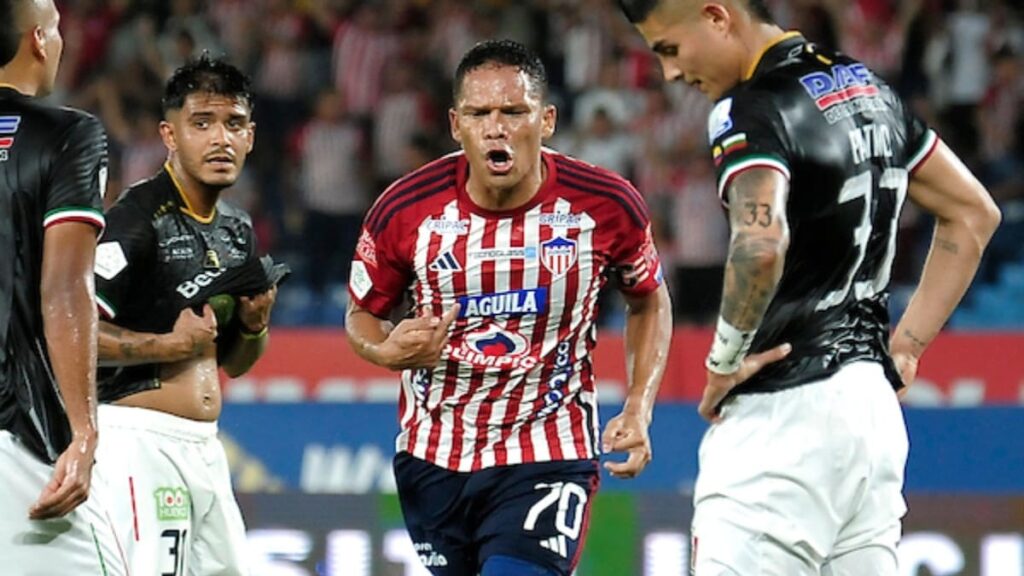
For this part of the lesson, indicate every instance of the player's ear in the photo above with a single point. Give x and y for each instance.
(251, 137)
(549, 121)
(453, 123)
(717, 15)
(37, 43)
(168, 136)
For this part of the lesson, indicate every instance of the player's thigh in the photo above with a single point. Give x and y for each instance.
(872, 560)
(435, 512)
(81, 542)
(147, 496)
(218, 540)
(723, 546)
(538, 513)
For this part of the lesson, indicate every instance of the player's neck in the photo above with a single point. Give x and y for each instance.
(758, 39)
(200, 199)
(500, 199)
(12, 76)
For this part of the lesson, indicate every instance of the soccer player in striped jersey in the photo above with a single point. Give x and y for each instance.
(503, 248)
(53, 165)
(802, 471)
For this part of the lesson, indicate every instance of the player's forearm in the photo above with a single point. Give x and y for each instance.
(648, 338)
(69, 323)
(951, 264)
(245, 353)
(366, 333)
(122, 347)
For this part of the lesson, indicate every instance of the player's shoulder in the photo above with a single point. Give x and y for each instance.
(614, 192)
(414, 190)
(146, 197)
(60, 118)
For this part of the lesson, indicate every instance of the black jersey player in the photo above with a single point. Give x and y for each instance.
(173, 253)
(801, 471)
(52, 172)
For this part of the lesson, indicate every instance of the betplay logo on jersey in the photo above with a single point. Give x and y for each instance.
(8, 127)
(172, 504)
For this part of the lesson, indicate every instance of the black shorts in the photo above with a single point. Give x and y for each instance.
(535, 512)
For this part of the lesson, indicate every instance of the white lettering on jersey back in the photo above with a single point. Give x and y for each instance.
(110, 260)
(870, 141)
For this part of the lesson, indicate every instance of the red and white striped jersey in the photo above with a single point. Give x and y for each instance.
(515, 383)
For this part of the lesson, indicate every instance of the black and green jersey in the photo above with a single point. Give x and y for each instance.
(848, 146)
(158, 257)
(53, 164)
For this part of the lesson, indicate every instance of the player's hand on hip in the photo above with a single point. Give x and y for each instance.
(418, 342)
(719, 385)
(194, 334)
(906, 365)
(69, 485)
(627, 432)
(254, 312)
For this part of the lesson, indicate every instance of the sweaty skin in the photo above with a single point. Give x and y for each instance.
(188, 388)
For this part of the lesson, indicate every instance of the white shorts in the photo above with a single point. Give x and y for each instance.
(806, 481)
(170, 493)
(82, 542)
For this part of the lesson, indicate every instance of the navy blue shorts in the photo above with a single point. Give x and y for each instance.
(535, 512)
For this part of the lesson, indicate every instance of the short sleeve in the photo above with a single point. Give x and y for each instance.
(123, 257)
(79, 176)
(380, 275)
(921, 140)
(745, 131)
(635, 261)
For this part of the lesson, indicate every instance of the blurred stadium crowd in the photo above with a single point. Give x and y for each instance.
(351, 94)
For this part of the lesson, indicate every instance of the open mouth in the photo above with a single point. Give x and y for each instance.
(221, 161)
(499, 162)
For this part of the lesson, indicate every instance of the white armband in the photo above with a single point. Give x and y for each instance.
(729, 348)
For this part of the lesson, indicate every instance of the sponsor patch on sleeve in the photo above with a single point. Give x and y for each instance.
(359, 279)
(720, 119)
(367, 249)
(110, 260)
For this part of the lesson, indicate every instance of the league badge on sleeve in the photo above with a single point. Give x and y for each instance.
(720, 119)
(558, 255)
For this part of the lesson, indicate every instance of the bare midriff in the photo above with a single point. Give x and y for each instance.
(189, 389)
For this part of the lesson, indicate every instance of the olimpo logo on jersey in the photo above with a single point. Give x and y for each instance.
(512, 303)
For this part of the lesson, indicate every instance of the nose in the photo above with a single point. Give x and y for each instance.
(219, 133)
(494, 125)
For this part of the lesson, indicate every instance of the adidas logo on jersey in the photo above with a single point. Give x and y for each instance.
(445, 263)
(556, 544)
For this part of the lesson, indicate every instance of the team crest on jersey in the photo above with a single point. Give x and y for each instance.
(8, 128)
(493, 347)
(558, 255)
(511, 303)
(844, 84)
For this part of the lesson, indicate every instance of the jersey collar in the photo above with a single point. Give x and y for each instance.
(774, 52)
(187, 208)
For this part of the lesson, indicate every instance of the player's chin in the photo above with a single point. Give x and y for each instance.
(220, 177)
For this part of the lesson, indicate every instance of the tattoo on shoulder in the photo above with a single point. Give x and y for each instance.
(752, 197)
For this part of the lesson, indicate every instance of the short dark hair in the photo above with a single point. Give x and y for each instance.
(638, 10)
(10, 30)
(503, 53)
(208, 76)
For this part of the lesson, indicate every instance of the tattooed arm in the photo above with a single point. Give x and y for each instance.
(192, 336)
(757, 252)
(966, 217)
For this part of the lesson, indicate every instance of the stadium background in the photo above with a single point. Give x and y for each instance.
(352, 94)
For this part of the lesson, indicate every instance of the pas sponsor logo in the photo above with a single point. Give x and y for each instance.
(110, 260)
(366, 248)
(720, 119)
(444, 226)
(359, 279)
(494, 348)
(172, 503)
(523, 253)
(8, 128)
(511, 303)
(843, 84)
(558, 255)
